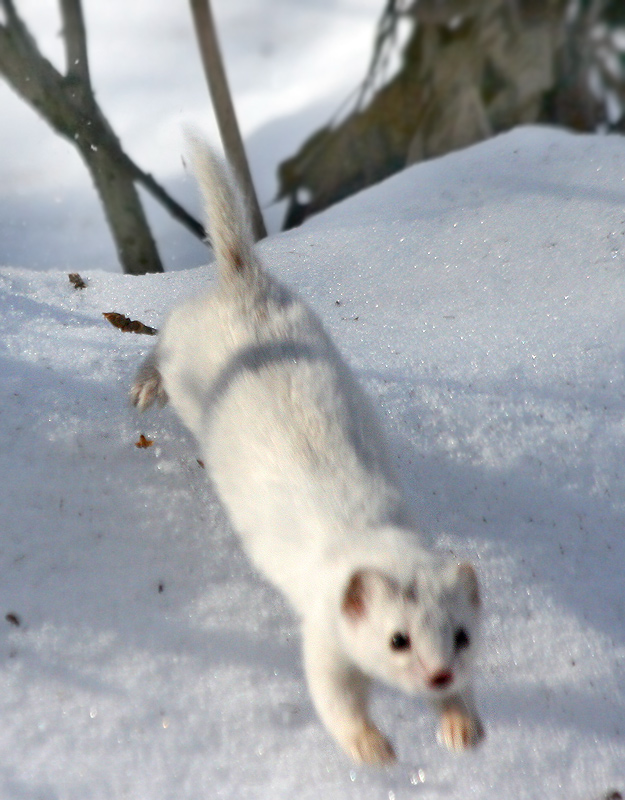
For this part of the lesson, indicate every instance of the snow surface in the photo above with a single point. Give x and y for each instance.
(481, 299)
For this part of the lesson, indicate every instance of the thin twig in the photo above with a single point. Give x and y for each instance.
(75, 38)
(9, 10)
(224, 107)
(164, 198)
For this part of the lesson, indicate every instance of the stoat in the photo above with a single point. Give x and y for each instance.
(296, 453)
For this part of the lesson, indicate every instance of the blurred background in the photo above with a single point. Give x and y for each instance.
(330, 96)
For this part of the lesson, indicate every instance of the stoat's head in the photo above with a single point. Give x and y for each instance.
(415, 633)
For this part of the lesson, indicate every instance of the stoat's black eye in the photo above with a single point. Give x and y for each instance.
(400, 641)
(461, 639)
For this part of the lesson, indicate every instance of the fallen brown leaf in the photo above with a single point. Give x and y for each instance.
(128, 325)
(76, 281)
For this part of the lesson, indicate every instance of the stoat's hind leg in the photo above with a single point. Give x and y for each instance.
(148, 385)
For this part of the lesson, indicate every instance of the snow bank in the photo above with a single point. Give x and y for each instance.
(481, 299)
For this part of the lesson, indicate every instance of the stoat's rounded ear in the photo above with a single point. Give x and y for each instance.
(468, 580)
(364, 587)
(354, 603)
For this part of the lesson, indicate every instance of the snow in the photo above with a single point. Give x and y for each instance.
(481, 300)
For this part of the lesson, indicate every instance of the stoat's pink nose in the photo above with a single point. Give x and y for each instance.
(441, 679)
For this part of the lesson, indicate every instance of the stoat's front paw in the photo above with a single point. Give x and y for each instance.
(460, 730)
(369, 746)
(145, 391)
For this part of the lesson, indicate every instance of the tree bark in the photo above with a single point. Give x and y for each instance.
(124, 212)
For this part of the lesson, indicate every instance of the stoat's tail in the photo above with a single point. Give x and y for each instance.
(227, 218)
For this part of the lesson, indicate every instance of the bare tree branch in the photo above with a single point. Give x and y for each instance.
(165, 199)
(9, 10)
(67, 103)
(75, 38)
(224, 107)
(69, 107)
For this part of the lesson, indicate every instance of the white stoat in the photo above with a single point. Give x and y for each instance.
(296, 454)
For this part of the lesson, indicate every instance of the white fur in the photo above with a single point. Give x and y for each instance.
(296, 454)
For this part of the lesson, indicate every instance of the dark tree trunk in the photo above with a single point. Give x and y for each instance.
(135, 245)
(67, 104)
